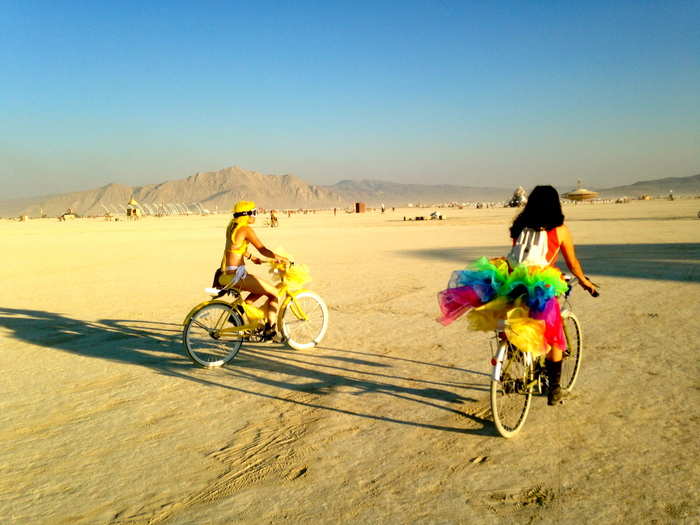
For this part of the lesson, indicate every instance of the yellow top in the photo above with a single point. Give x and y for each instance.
(231, 230)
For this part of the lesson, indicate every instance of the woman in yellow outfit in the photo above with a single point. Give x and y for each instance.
(239, 234)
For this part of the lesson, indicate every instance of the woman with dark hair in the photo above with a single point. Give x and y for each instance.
(520, 291)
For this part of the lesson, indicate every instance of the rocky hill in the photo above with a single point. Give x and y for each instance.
(392, 193)
(212, 190)
(219, 190)
(681, 186)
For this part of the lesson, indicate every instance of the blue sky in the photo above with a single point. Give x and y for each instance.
(474, 93)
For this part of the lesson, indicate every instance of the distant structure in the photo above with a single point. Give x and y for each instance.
(360, 207)
(202, 209)
(133, 211)
(518, 199)
(580, 194)
(108, 216)
(67, 215)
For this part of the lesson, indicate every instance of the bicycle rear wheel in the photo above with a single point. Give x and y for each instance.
(571, 364)
(304, 321)
(203, 339)
(511, 391)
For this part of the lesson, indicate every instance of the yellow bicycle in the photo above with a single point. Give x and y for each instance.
(215, 330)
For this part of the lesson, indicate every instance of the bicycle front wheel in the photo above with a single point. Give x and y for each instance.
(304, 321)
(205, 338)
(511, 391)
(574, 351)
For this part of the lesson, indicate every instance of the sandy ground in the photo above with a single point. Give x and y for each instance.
(103, 419)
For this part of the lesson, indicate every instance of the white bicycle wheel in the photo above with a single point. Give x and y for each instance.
(204, 341)
(573, 354)
(304, 321)
(511, 392)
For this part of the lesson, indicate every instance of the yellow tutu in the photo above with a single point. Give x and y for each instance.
(525, 333)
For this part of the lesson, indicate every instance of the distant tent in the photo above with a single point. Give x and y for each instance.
(580, 194)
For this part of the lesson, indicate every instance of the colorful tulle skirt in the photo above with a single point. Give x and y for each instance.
(521, 300)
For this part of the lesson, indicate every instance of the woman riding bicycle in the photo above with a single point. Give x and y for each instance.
(239, 234)
(524, 298)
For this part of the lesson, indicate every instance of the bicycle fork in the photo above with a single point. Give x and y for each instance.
(497, 361)
(532, 379)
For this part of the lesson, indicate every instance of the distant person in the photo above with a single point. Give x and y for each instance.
(503, 287)
(239, 234)
(273, 219)
(382, 207)
(335, 211)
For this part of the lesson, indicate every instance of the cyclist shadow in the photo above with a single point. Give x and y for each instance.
(666, 262)
(146, 343)
(325, 374)
(157, 345)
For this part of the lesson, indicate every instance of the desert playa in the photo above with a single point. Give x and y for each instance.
(104, 420)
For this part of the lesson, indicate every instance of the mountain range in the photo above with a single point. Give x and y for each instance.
(219, 190)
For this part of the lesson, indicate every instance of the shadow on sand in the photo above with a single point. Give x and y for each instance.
(668, 262)
(159, 346)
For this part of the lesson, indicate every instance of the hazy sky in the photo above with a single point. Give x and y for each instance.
(474, 93)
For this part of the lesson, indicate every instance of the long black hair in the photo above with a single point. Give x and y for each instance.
(543, 210)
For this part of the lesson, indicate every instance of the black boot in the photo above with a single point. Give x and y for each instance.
(555, 393)
(269, 332)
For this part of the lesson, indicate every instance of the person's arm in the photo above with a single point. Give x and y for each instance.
(253, 239)
(569, 253)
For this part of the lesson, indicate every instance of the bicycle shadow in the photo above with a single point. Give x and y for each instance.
(667, 262)
(157, 345)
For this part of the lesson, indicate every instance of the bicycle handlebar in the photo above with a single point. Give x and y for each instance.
(571, 280)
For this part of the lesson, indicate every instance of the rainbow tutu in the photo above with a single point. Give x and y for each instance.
(523, 298)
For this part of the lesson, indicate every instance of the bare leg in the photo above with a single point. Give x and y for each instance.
(253, 297)
(258, 288)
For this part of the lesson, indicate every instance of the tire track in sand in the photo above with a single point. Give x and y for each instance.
(261, 450)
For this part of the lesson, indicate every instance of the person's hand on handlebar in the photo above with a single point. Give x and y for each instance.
(281, 260)
(589, 286)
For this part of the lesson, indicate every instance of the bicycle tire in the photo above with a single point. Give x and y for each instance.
(511, 392)
(301, 333)
(574, 351)
(204, 344)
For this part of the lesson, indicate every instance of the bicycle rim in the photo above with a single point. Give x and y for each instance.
(204, 343)
(571, 364)
(511, 395)
(304, 321)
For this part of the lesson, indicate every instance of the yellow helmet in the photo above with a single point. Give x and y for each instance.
(243, 210)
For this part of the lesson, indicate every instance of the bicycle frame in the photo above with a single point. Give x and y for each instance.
(528, 359)
(288, 296)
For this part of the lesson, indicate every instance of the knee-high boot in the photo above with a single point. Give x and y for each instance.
(555, 393)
